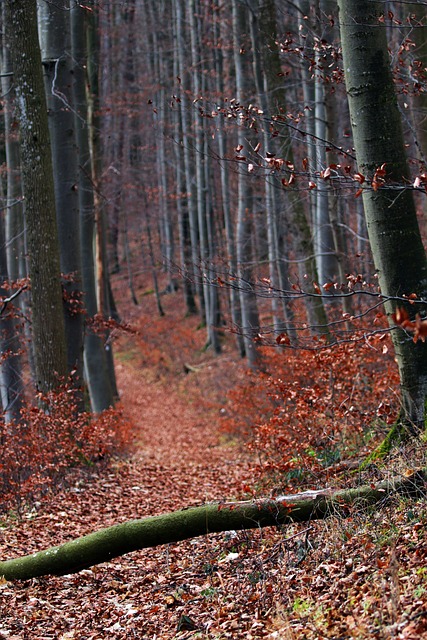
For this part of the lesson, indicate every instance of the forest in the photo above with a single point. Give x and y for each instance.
(213, 322)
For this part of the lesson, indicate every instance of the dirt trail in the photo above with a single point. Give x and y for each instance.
(180, 460)
(181, 441)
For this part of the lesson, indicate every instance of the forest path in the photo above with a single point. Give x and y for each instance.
(180, 440)
(180, 459)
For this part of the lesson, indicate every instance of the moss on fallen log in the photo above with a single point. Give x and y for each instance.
(119, 539)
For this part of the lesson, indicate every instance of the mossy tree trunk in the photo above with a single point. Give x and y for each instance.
(117, 540)
(393, 229)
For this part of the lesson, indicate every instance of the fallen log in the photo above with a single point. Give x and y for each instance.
(105, 544)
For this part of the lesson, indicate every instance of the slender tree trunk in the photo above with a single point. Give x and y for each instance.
(42, 234)
(95, 363)
(418, 13)
(201, 184)
(323, 238)
(188, 156)
(153, 264)
(12, 242)
(181, 197)
(270, 183)
(14, 228)
(11, 386)
(391, 218)
(104, 293)
(298, 218)
(236, 316)
(248, 302)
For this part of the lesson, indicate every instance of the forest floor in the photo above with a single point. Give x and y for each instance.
(360, 577)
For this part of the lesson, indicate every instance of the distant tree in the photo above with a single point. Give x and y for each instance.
(244, 223)
(95, 361)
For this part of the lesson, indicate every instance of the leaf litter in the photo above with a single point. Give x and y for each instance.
(360, 577)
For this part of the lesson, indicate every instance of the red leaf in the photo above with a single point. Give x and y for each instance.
(359, 178)
(316, 288)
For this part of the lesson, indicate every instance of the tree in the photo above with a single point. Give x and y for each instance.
(390, 212)
(11, 255)
(36, 164)
(244, 224)
(96, 370)
(54, 30)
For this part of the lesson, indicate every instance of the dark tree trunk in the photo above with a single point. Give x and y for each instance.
(42, 234)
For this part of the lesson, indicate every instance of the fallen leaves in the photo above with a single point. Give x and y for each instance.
(330, 580)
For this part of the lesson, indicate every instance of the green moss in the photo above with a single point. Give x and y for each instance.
(397, 434)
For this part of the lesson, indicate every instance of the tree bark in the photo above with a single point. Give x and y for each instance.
(394, 234)
(42, 234)
(226, 202)
(12, 240)
(103, 545)
(244, 224)
(54, 31)
(95, 362)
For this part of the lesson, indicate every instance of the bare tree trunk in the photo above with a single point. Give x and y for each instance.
(14, 228)
(12, 242)
(11, 385)
(270, 183)
(54, 30)
(298, 217)
(42, 234)
(248, 302)
(323, 238)
(210, 302)
(236, 316)
(188, 160)
(95, 363)
(390, 213)
(181, 196)
(104, 293)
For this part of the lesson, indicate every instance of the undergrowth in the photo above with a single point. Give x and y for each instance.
(52, 438)
(306, 412)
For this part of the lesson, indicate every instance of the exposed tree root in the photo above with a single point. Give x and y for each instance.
(117, 540)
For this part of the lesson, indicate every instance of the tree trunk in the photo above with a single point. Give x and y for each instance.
(104, 294)
(95, 363)
(235, 312)
(298, 219)
(324, 248)
(54, 30)
(210, 302)
(11, 383)
(14, 227)
(270, 182)
(181, 197)
(12, 241)
(42, 235)
(186, 147)
(390, 213)
(103, 545)
(244, 254)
